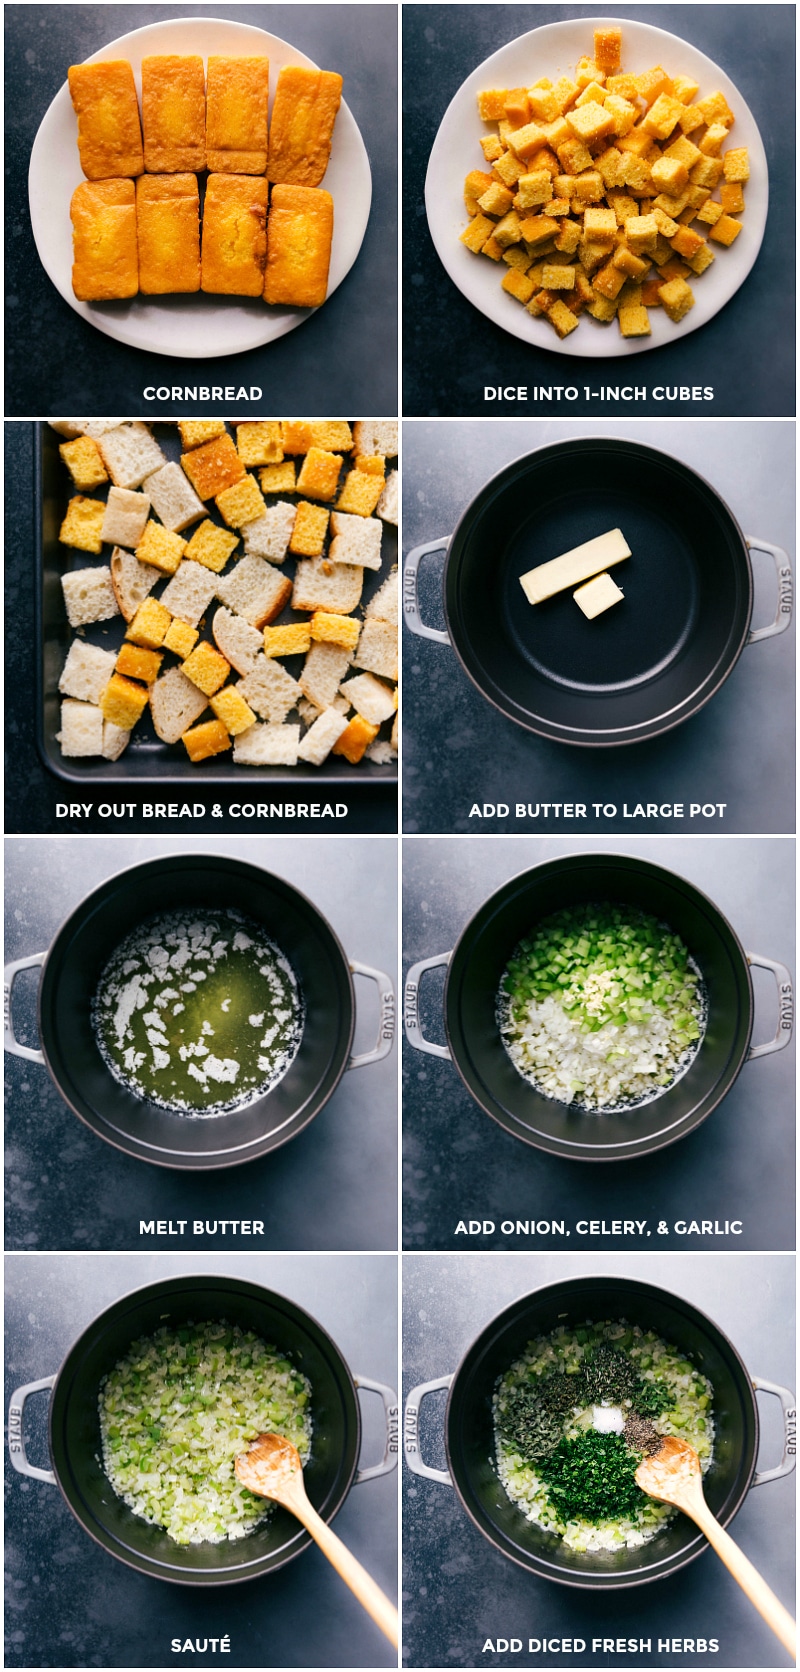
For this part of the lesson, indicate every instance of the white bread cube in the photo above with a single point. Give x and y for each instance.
(130, 453)
(384, 605)
(131, 580)
(237, 640)
(254, 589)
(125, 518)
(269, 689)
(175, 704)
(388, 504)
(372, 436)
(267, 746)
(320, 585)
(173, 498)
(86, 671)
(381, 752)
(115, 740)
(323, 671)
(269, 536)
(318, 742)
(377, 649)
(88, 596)
(355, 540)
(81, 728)
(190, 592)
(370, 698)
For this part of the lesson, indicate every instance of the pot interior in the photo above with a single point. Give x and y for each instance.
(75, 1427)
(470, 1436)
(643, 665)
(483, 953)
(135, 1124)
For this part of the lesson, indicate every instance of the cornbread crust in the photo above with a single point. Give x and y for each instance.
(173, 114)
(237, 95)
(299, 238)
(109, 130)
(168, 227)
(104, 244)
(234, 235)
(301, 131)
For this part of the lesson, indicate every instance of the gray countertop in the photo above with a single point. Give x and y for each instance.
(460, 1591)
(460, 1165)
(738, 750)
(334, 1186)
(71, 1604)
(55, 360)
(450, 350)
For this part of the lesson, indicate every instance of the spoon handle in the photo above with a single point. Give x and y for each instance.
(777, 1617)
(350, 1570)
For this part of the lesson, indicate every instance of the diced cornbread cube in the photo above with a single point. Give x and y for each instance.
(244, 503)
(122, 702)
(558, 278)
(662, 116)
(631, 265)
(589, 187)
(280, 478)
(608, 48)
(669, 174)
(573, 156)
(477, 182)
(622, 84)
(652, 83)
(641, 231)
(311, 526)
(82, 524)
(533, 189)
(672, 206)
(539, 229)
(593, 256)
(666, 225)
(517, 108)
(84, 462)
(492, 104)
(517, 256)
(560, 317)
(355, 739)
(508, 170)
(491, 148)
(703, 259)
(685, 151)
(731, 198)
(519, 285)
(599, 223)
(206, 668)
(566, 92)
(635, 173)
(259, 443)
(633, 321)
(713, 140)
(650, 296)
(508, 230)
(162, 549)
(292, 640)
(474, 236)
(492, 249)
(319, 475)
(623, 112)
(203, 741)
(706, 172)
(715, 108)
(212, 546)
(637, 144)
(194, 431)
(673, 269)
(330, 628)
(602, 308)
(230, 707)
(725, 230)
(610, 166)
(360, 494)
(149, 625)
(569, 237)
(735, 166)
(690, 120)
(587, 70)
(137, 663)
(676, 299)
(623, 206)
(684, 88)
(687, 242)
(527, 141)
(590, 122)
(609, 281)
(496, 200)
(710, 212)
(593, 93)
(181, 638)
(543, 104)
(213, 466)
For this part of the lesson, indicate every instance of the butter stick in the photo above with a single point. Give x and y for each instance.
(597, 595)
(575, 566)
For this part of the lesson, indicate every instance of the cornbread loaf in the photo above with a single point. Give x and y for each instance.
(234, 235)
(168, 227)
(173, 114)
(237, 95)
(303, 115)
(109, 131)
(106, 263)
(299, 238)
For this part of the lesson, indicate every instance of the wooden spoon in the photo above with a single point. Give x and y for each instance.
(272, 1468)
(673, 1475)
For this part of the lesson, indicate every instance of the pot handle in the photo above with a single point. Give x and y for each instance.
(386, 994)
(411, 1449)
(16, 1437)
(789, 1409)
(413, 1031)
(411, 601)
(783, 979)
(391, 1409)
(9, 976)
(783, 569)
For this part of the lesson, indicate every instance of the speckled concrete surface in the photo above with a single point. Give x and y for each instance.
(334, 1186)
(71, 1604)
(56, 361)
(459, 1591)
(738, 750)
(450, 350)
(459, 1164)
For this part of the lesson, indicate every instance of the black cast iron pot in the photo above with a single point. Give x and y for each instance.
(71, 970)
(475, 968)
(75, 1443)
(643, 666)
(469, 1435)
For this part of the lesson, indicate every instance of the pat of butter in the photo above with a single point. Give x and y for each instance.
(597, 595)
(575, 566)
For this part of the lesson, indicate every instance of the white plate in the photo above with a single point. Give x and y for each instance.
(552, 51)
(195, 326)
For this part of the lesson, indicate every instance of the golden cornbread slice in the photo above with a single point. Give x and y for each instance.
(137, 663)
(173, 114)
(234, 235)
(161, 548)
(206, 668)
(278, 478)
(122, 702)
(106, 262)
(301, 131)
(361, 492)
(194, 431)
(82, 524)
(212, 546)
(330, 628)
(168, 230)
(204, 741)
(237, 95)
(230, 707)
(243, 503)
(213, 466)
(355, 739)
(319, 476)
(292, 640)
(109, 131)
(299, 238)
(310, 528)
(150, 624)
(259, 443)
(181, 638)
(84, 462)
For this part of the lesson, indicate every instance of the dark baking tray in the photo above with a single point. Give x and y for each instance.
(147, 759)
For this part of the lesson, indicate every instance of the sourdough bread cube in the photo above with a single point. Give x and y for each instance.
(270, 745)
(269, 536)
(239, 642)
(377, 649)
(86, 671)
(125, 518)
(132, 581)
(319, 740)
(269, 689)
(255, 590)
(88, 596)
(383, 606)
(356, 540)
(173, 498)
(130, 453)
(388, 504)
(369, 697)
(175, 704)
(81, 728)
(190, 592)
(321, 585)
(323, 671)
